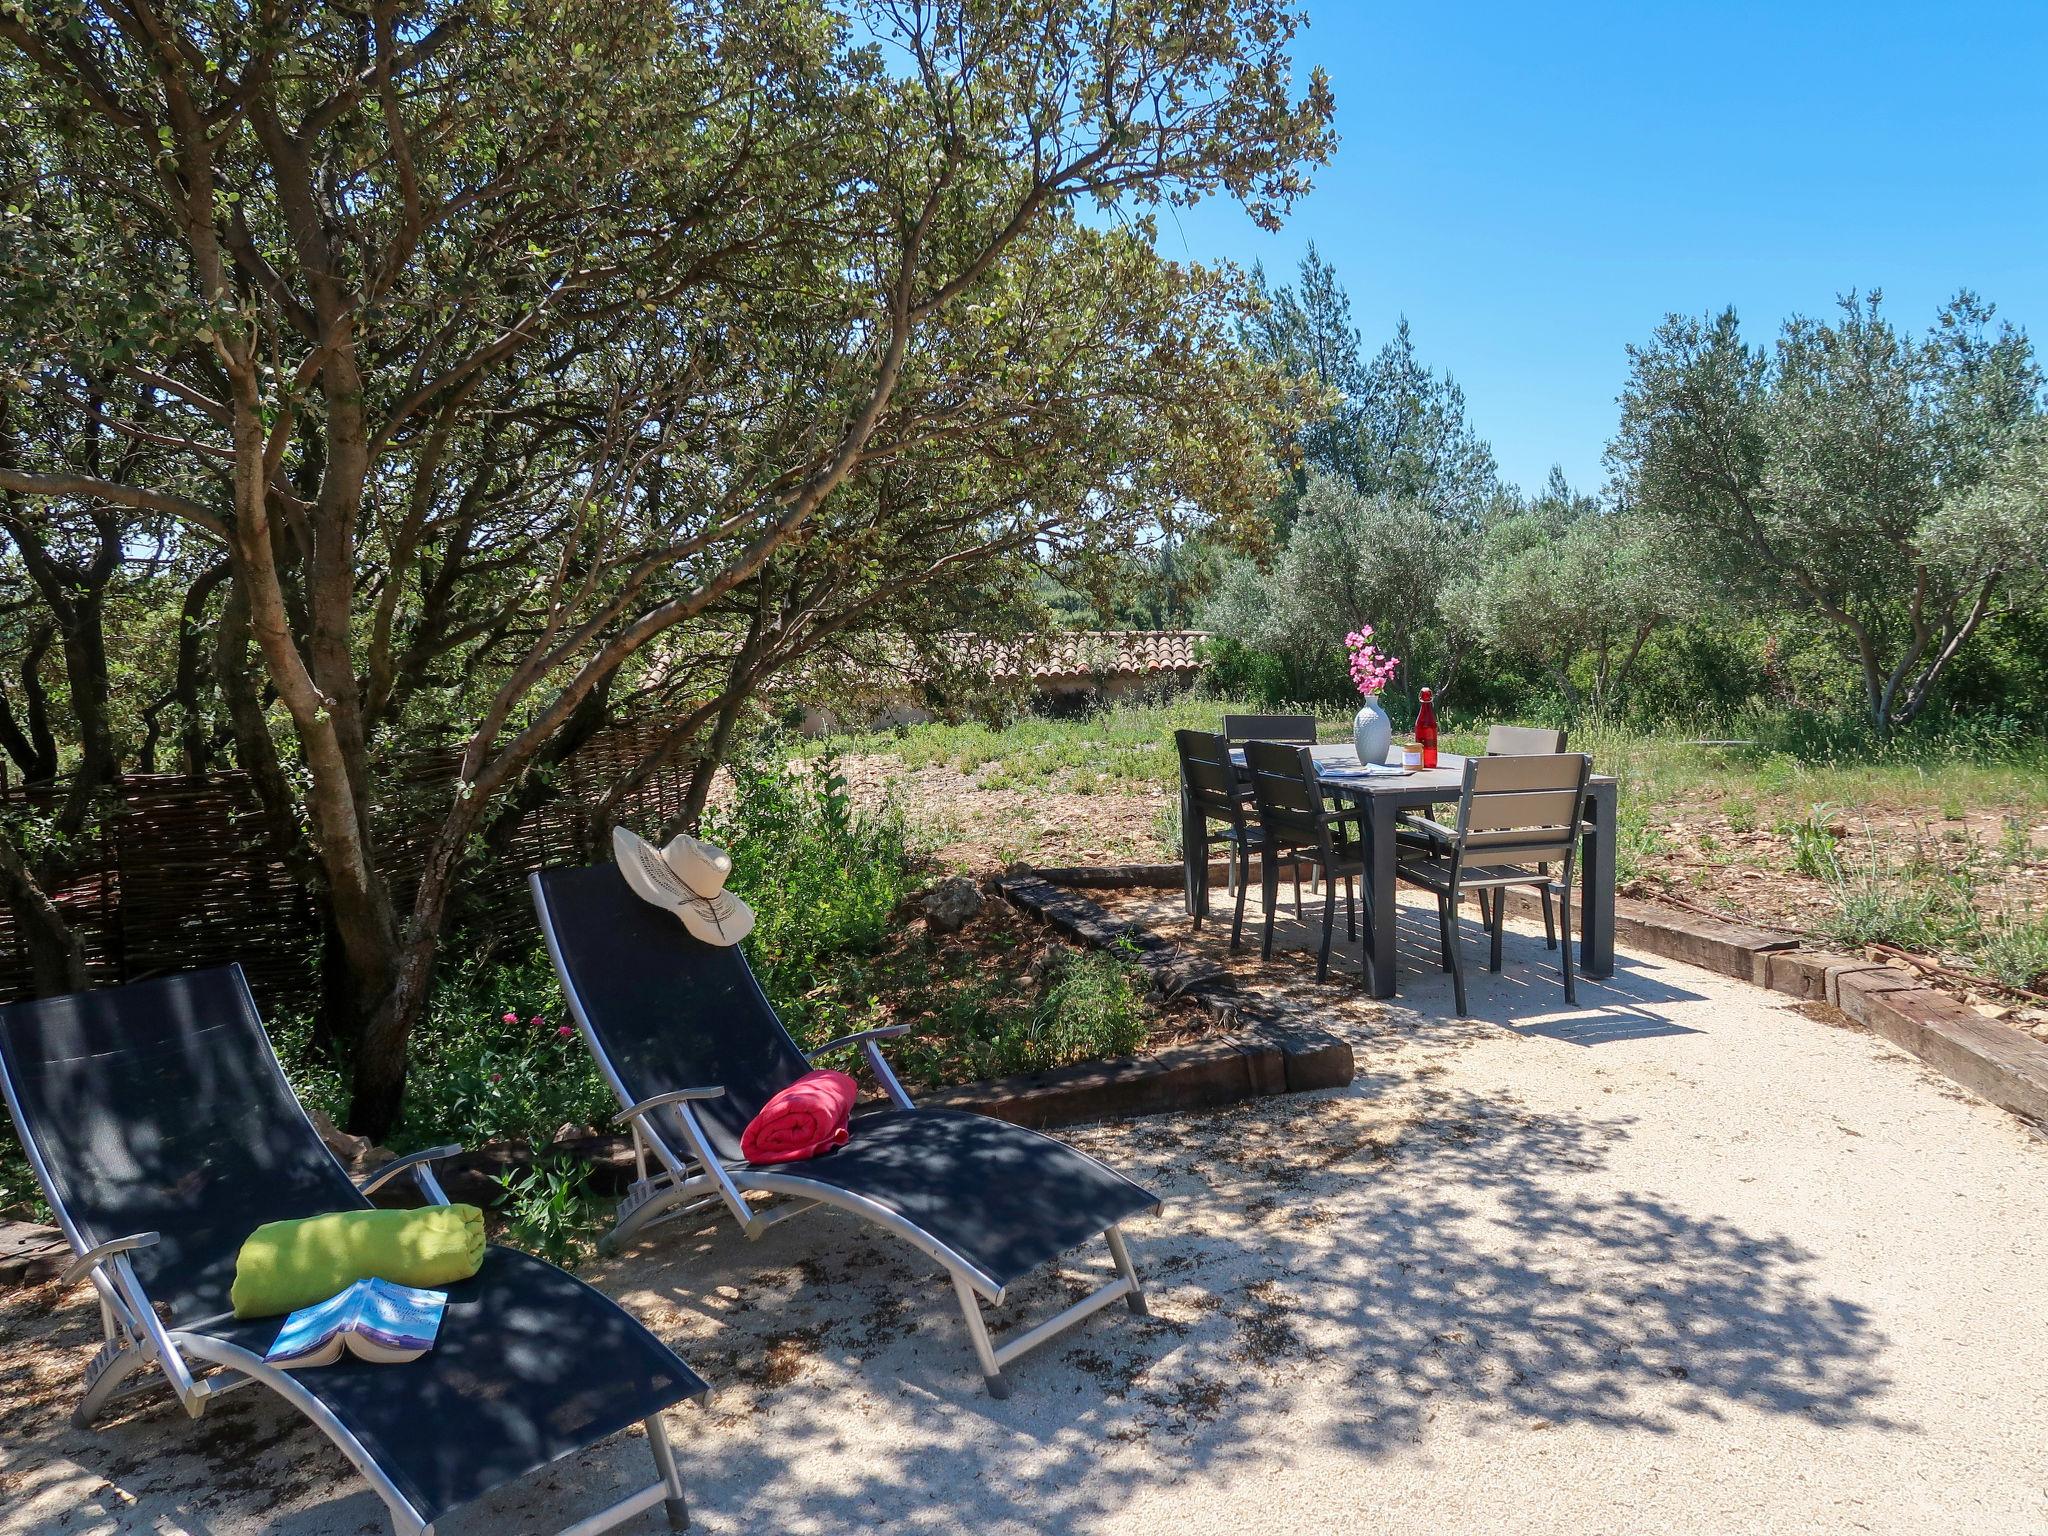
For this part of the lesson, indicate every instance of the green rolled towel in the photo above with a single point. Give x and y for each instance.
(286, 1265)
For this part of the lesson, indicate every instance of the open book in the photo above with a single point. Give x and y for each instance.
(373, 1319)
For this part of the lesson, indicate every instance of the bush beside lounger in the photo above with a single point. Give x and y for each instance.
(692, 1048)
(163, 1133)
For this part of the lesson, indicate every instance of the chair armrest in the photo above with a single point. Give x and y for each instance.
(415, 1163)
(866, 1040)
(1435, 829)
(85, 1263)
(882, 1032)
(665, 1101)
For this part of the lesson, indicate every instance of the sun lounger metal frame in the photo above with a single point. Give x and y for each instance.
(671, 1182)
(137, 1338)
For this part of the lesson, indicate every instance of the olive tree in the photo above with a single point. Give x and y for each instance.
(1573, 586)
(1843, 471)
(490, 346)
(1349, 559)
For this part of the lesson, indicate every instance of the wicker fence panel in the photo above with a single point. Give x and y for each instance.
(182, 875)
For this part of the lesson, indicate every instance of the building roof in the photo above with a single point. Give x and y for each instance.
(1080, 653)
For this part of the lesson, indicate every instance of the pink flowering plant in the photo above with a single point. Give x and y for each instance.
(499, 1058)
(1372, 669)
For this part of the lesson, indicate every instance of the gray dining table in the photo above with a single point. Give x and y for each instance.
(1384, 798)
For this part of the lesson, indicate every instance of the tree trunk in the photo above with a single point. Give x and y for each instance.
(29, 740)
(705, 770)
(56, 954)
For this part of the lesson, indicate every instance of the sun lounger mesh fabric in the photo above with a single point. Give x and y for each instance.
(158, 1111)
(530, 1365)
(672, 1012)
(157, 1107)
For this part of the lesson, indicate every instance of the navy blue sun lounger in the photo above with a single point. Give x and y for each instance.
(692, 1048)
(163, 1132)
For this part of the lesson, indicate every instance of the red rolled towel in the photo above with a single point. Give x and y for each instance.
(806, 1118)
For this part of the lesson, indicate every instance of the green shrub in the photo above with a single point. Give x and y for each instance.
(2016, 950)
(497, 1057)
(547, 1211)
(1740, 812)
(1813, 842)
(2016, 841)
(1166, 829)
(21, 1198)
(1093, 1007)
(1924, 912)
(823, 878)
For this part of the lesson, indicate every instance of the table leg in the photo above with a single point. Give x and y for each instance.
(1382, 910)
(1596, 882)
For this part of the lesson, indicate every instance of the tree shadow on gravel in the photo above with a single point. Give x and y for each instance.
(1333, 1272)
(1384, 1258)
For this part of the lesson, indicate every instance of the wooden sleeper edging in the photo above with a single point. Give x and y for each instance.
(1999, 1064)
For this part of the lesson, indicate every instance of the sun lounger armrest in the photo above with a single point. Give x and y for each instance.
(866, 1040)
(419, 1165)
(860, 1039)
(665, 1101)
(93, 1257)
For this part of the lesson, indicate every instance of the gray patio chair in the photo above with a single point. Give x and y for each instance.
(1217, 792)
(162, 1132)
(1512, 812)
(1529, 741)
(1523, 741)
(1296, 821)
(1238, 729)
(691, 1047)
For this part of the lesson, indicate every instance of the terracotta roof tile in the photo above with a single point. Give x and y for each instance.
(1081, 653)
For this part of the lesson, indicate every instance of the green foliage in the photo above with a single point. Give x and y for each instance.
(1126, 746)
(1090, 1006)
(2016, 950)
(2016, 841)
(1637, 843)
(1348, 559)
(664, 347)
(21, 1198)
(1094, 1007)
(1388, 425)
(1740, 812)
(546, 1210)
(1813, 839)
(1892, 488)
(1912, 908)
(497, 1057)
(1573, 588)
(823, 878)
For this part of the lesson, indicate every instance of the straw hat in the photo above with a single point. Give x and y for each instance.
(688, 878)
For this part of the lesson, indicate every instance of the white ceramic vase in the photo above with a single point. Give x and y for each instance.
(1372, 733)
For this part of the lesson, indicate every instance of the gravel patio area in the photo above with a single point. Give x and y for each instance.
(1683, 1259)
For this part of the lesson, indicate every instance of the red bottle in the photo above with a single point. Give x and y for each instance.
(1425, 730)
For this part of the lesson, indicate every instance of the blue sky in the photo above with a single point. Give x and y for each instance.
(1537, 186)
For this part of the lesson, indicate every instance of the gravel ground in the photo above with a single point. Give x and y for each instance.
(1683, 1259)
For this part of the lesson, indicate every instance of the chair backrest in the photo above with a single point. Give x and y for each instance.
(1208, 774)
(1519, 810)
(1241, 728)
(659, 1008)
(1523, 741)
(160, 1107)
(1285, 789)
